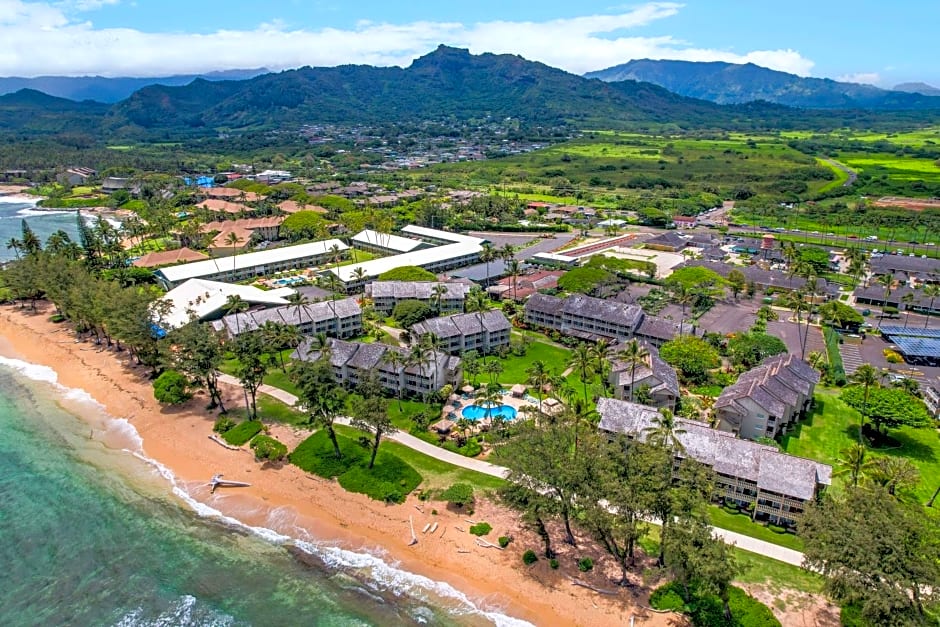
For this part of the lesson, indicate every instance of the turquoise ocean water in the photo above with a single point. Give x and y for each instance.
(93, 533)
(44, 223)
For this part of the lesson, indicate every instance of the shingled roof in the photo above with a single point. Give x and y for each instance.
(774, 385)
(600, 309)
(419, 290)
(653, 365)
(289, 314)
(462, 324)
(788, 475)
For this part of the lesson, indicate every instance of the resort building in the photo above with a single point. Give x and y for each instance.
(448, 251)
(200, 299)
(484, 333)
(339, 318)
(354, 361)
(591, 318)
(253, 265)
(169, 257)
(447, 297)
(653, 380)
(766, 400)
(773, 486)
(386, 243)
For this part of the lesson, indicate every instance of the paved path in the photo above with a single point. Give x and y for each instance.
(744, 542)
(851, 357)
(815, 341)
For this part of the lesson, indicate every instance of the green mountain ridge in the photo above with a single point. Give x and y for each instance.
(732, 83)
(448, 84)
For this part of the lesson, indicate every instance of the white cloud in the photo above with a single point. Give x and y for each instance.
(39, 38)
(865, 78)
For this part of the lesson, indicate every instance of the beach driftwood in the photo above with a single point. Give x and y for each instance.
(578, 582)
(223, 443)
(414, 538)
(426, 527)
(433, 529)
(218, 482)
(487, 545)
(462, 551)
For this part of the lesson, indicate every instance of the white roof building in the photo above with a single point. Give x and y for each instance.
(433, 259)
(207, 299)
(372, 240)
(441, 237)
(253, 264)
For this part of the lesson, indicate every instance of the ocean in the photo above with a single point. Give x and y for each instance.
(13, 209)
(94, 533)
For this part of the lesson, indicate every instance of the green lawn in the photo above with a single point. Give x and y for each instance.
(514, 367)
(436, 474)
(742, 523)
(833, 426)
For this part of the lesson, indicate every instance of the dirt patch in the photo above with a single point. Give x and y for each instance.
(914, 204)
(794, 608)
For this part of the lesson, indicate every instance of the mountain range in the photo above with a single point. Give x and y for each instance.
(110, 90)
(448, 84)
(731, 83)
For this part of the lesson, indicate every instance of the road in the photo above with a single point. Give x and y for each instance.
(747, 543)
(852, 174)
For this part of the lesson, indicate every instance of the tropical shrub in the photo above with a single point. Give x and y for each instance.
(267, 448)
(504, 541)
(553, 563)
(223, 424)
(171, 388)
(459, 494)
(481, 529)
(585, 564)
(411, 312)
(408, 273)
(529, 557)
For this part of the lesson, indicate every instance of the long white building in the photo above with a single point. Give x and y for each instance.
(455, 251)
(252, 265)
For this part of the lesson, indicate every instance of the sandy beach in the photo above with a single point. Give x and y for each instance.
(292, 502)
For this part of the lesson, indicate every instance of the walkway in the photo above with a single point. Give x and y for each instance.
(851, 357)
(815, 341)
(747, 543)
(406, 439)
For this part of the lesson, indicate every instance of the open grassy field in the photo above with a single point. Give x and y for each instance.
(629, 164)
(903, 168)
(833, 426)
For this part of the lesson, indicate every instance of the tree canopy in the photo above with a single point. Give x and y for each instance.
(887, 408)
(304, 225)
(585, 280)
(408, 273)
(410, 312)
(747, 350)
(691, 356)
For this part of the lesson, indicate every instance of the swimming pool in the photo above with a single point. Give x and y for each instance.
(477, 412)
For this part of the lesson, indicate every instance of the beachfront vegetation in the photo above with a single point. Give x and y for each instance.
(387, 479)
(171, 388)
(242, 432)
(481, 529)
(705, 609)
(268, 449)
(458, 494)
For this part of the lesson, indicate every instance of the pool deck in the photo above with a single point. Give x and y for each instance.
(456, 407)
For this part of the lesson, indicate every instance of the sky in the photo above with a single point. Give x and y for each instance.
(877, 42)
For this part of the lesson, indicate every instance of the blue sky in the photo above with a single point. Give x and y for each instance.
(878, 42)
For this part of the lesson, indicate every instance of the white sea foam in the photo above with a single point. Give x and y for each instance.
(182, 613)
(18, 199)
(381, 574)
(28, 213)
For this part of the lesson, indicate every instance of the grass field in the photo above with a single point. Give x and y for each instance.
(742, 523)
(839, 173)
(514, 368)
(833, 426)
(893, 167)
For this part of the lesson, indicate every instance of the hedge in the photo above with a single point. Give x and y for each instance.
(481, 529)
(266, 447)
(836, 369)
(242, 433)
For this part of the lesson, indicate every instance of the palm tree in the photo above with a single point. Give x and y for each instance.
(488, 397)
(817, 360)
(396, 362)
(885, 280)
(852, 462)
(514, 269)
(893, 473)
(538, 377)
(487, 254)
(602, 353)
(437, 294)
(796, 300)
(299, 302)
(682, 296)
(866, 376)
(15, 245)
(360, 274)
(476, 303)
(417, 357)
(233, 239)
(235, 304)
(582, 360)
(931, 291)
(664, 432)
(507, 252)
(907, 299)
(494, 369)
(434, 345)
(633, 354)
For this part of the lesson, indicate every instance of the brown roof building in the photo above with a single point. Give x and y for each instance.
(169, 257)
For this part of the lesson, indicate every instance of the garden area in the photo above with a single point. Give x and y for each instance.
(833, 426)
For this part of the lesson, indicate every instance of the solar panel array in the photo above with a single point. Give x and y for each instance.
(918, 346)
(896, 331)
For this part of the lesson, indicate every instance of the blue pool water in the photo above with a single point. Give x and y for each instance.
(476, 412)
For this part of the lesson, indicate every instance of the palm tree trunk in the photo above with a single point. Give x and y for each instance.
(927, 315)
(934, 497)
(332, 433)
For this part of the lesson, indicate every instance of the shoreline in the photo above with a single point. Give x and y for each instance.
(293, 503)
